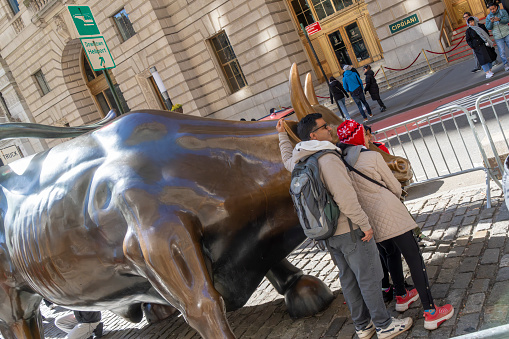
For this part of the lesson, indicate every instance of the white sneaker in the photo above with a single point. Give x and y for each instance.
(367, 332)
(489, 75)
(396, 327)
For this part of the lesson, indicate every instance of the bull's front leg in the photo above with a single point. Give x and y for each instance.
(305, 295)
(165, 243)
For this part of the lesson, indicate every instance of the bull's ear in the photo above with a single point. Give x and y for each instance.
(309, 90)
(300, 103)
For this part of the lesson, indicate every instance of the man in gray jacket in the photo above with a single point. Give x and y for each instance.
(353, 251)
(497, 22)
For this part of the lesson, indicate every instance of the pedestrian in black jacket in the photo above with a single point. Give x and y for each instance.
(338, 93)
(479, 40)
(372, 87)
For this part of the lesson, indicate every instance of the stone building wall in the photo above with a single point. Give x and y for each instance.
(401, 48)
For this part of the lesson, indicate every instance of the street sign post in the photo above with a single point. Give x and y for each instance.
(97, 52)
(83, 20)
(95, 47)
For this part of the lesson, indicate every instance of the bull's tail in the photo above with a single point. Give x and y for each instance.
(29, 130)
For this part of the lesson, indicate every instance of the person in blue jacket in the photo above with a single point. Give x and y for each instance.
(497, 22)
(353, 84)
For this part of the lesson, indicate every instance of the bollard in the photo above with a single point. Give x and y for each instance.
(387, 80)
(430, 69)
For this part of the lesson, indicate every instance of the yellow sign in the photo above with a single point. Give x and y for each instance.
(404, 23)
(98, 53)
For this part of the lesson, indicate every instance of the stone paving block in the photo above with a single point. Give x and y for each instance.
(455, 297)
(443, 332)
(456, 221)
(421, 218)
(490, 256)
(465, 230)
(418, 330)
(446, 275)
(483, 225)
(444, 247)
(462, 241)
(479, 285)
(487, 213)
(496, 241)
(498, 294)
(461, 210)
(437, 258)
(467, 324)
(474, 303)
(347, 331)
(450, 233)
(479, 236)
(504, 261)
(451, 263)
(503, 274)
(432, 220)
(439, 290)
(500, 227)
(486, 271)
(474, 249)
(432, 271)
(494, 314)
(462, 280)
(446, 217)
(469, 264)
(503, 214)
(469, 219)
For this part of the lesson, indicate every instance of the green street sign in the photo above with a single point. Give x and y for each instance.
(403, 23)
(97, 52)
(83, 20)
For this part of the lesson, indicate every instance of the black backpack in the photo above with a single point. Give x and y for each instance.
(317, 211)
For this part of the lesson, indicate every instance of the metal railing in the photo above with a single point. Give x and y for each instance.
(439, 145)
(490, 107)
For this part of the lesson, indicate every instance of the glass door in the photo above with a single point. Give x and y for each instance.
(358, 46)
(339, 47)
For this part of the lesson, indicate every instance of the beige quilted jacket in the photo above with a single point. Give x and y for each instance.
(387, 215)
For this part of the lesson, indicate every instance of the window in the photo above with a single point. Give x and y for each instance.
(5, 109)
(41, 81)
(228, 61)
(358, 45)
(124, 25)
(303, 12)
(14, 6)
(319, 9)
(96, 82)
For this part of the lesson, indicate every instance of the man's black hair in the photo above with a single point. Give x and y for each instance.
(492, 4)
(306, 125)
(471, 19)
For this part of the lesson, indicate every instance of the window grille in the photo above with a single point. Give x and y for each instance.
(124, 25)
(228, 61)
(41, 81)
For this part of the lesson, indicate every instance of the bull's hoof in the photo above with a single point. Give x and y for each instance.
(155, 313)
(307, 296)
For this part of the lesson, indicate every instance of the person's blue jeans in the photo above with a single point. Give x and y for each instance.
(342, 107)
(361, 99)
(360, 274)
(486, 67)
(501, 43)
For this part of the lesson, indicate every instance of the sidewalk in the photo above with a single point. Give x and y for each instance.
(469, 268)
(426, 93)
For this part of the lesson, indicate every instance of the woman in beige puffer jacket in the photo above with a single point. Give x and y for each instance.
(378, 192)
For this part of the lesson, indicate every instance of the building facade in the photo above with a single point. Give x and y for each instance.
(226, 59)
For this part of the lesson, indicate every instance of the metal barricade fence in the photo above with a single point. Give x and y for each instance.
(438, 145)
(492, 109)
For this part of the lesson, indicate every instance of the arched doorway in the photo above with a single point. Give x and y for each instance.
(96, 83)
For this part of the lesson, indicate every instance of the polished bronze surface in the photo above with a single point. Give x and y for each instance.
(157, 208)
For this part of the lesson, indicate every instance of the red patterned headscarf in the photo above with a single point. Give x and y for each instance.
(351, 132)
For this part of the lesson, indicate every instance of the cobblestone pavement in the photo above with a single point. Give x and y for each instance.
(468, 267)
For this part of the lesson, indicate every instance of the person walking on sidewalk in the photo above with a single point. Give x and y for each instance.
(379, 192)
(352, 246)
(372, 87)
(353, 84)
(479, 40)
(496, 22)
(338, 93)
(467, 15)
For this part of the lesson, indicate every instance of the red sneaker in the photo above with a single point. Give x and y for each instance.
(442, 313)
(402, 303)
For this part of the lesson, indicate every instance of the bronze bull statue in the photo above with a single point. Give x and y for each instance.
(156, 208)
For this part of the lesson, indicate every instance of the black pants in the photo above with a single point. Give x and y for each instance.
(383, 259)
(408, 246)
(380, 102)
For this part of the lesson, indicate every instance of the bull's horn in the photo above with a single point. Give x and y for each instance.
(309, 89)
(300, 103)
